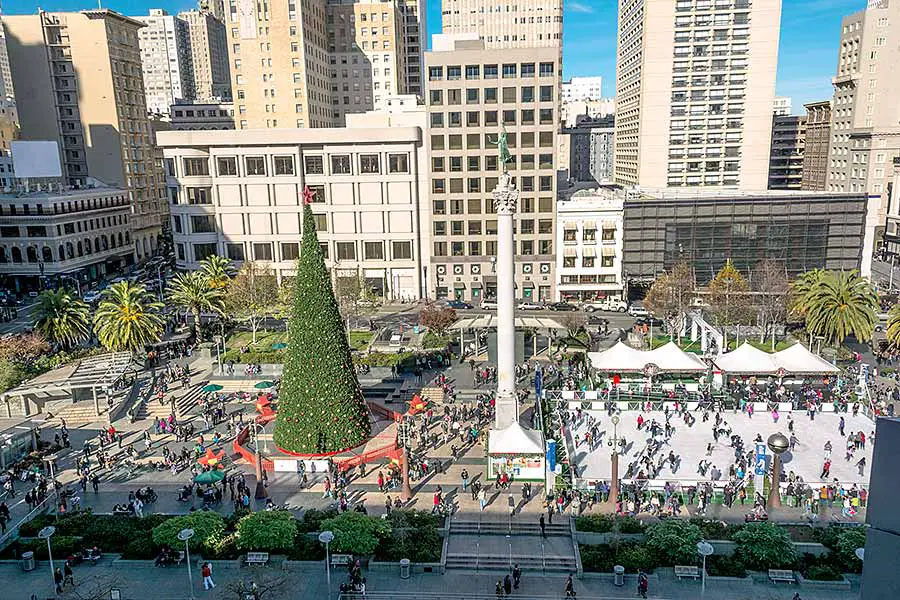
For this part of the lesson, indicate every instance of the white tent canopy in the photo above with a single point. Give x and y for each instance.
(747, 359)
(623, 358)
(515, 440)
(796, 360)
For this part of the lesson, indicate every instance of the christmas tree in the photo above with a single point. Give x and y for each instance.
(321, 408)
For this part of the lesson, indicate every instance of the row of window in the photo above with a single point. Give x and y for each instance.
(489, 248)
(474, 140)
(264, 251)
(13, 231)
(59, 208)
(458, 206)
(473, 118)
(340, 164)
(589, 262)
(576, 279)
(509, 71)
(66, 251)
(472, 185)
(523, 226)
(524, 93)
(590, 235)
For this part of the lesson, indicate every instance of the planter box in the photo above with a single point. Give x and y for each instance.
(843, 584)
(595, 539)
(723, 579)
(630, 578)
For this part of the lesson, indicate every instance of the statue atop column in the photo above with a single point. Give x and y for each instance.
(503, 148)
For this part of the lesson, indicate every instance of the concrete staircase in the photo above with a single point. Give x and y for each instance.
(532, 527)
(495, 545)
(80, 413)
(528, 563)
(184, 401)
(432, 394)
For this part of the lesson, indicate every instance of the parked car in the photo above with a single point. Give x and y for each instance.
(562, 306)
(91, 296)
(459, 305)
(527, 305)
(638, 311)
(649, 321)
(488, 305)
(608, 305)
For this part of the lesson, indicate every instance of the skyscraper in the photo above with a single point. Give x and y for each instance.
(165, 60)
(209, 55)
(695, 85)
(525, 24)
(786, 157)
(815, 151)
(81, 73)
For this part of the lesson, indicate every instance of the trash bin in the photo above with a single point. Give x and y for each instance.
(619, 575)
(404, 568)
(28, 561)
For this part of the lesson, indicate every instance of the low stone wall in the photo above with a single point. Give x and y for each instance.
(722, 547)
(596, 539)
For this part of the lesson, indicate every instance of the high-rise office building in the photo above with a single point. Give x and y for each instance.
(695, 85)
(165, 60)
(81, 73)
(583, 89)
(782, 106)
(815, 151)
(215, 7)
(7, 93)
(865, 131)
(209, 55)
(473, 92)
(414, 14)
(786, 155)
(525, 24)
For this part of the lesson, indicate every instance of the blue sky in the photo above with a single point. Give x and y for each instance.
(806, 59)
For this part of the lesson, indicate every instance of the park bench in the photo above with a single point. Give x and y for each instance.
(341, 560)
(682, 571)
(257, 558)
(776, 575)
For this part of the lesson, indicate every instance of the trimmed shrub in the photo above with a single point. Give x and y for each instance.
(266, 531)
(205, 524)
(356, 533)
(725, 566)
(848, 540)
(312, 519)
(823, 573)
(674, 542)
(414, 535)
(763, 546)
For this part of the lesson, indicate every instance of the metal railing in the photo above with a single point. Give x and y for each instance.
(13, 531)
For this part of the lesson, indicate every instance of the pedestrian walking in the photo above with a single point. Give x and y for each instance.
(465, 479)
(58, 580)
(482, 498)
(643, 584)
(507, 585)
(517, 576)
(570, 587)
(841, 426)
(206, 573)
(543, 526)
(498, 589)
(68, 576)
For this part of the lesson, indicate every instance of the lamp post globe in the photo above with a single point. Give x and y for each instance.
(778, 443)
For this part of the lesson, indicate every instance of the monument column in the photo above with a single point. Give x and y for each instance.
(507, 406)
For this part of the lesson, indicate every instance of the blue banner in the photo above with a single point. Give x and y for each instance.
(538, 383)
(551, 454)
(762, 459)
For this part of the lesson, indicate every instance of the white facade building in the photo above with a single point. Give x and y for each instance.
(782, 106)
(239, 194)
(590, 234)
(165, 60)
(582, 88)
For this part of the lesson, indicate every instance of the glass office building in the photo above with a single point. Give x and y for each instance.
(802, 230)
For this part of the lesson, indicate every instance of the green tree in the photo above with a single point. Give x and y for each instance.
(764, 546)
(62, 318)
(674, 542)
(841, 303)
(207, 526)
(267, 531)
(11, 375)
(192, 292)
(848, 540)
(321, 407)
(670, 296)
(218, 271)
(437, 318)
(728, 299)
(253, 295)
(127, 318)
(356, 533)
(893, 325)
(23, 348)
(802, 290)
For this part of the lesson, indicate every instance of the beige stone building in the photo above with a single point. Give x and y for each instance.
(865, 130)
(165, 60)
(815, 152)
(81, 73)
(695, 86)
(209, 55)
(523, 24)
(239, 194)
(473, 92)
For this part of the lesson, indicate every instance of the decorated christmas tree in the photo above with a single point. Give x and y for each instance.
(321, 408)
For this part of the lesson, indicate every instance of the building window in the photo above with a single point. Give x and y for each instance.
(374, 250)
(203, 224)
(608, 235)
(314, 165)
(369, 164)
(284, 165)
(346, 250)
(509, 71)
(321, 222)
(262, 251)
(234, 251)
(546, 69)
(195, 167)
(226, 166)
(202, 251)
(569, 261)
(256, 165)
(199, 195)
(587, 262)
(398, 163)
(401, 250)
(179, 251)
(290, 251)
(340, 164)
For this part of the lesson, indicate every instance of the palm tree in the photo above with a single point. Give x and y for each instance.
(62, 318)
(127, 318)
(192, 292)
(218, 271)
(839, 304)
(893, 325)
(802, 290)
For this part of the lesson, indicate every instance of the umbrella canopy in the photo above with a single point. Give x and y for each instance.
(208, 477)
(263, 385)
(279, 346)
(212, 387)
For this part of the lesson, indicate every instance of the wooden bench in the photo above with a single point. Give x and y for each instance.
(776, 575)
(341, 560)
(682, 571)
(256, 558)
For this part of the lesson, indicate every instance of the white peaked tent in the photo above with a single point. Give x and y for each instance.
(622, 358)
(800, 361)
(515, 440)
(672, 358)
(747, 359)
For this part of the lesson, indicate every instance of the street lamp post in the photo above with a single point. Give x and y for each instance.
(614, 442)
(326, 538)
(184, 535)
(45, 534)
(705, 549)
(261, 491)
(406, 492)
(778, 444)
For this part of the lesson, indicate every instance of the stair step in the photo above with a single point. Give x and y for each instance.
(501, 563)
